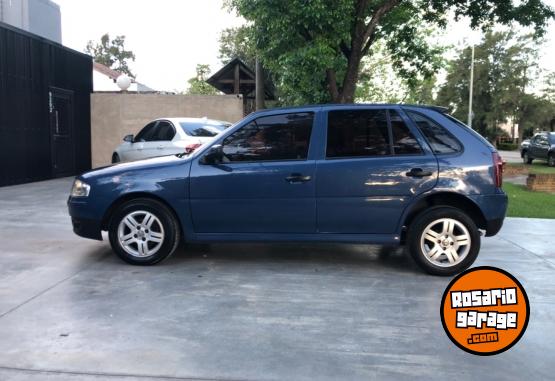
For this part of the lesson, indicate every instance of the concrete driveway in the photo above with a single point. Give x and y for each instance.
(70, 310)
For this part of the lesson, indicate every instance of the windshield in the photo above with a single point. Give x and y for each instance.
(205, 129)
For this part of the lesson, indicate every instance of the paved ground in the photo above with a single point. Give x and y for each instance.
(69, 310)
(511, 156)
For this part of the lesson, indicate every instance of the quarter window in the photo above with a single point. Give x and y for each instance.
(441, 141)
(355, 133)
(276, 137)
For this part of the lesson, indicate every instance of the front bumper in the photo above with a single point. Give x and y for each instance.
(84, 220)
(87, 228)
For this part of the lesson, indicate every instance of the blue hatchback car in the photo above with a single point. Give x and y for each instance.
(379, 174)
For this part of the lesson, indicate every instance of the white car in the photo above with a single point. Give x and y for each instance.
(168, 136)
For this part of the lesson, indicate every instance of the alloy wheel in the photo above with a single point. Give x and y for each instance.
(445, 242)
(140, 234)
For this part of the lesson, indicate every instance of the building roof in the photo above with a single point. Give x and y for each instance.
(224, 79)
(113, 75)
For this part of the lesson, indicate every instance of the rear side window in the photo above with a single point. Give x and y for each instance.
(355, 133)
(363, 133)
(441, 141)
(202, 129)
(404, 142)
(271, 138)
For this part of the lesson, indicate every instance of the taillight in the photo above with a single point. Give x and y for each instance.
(191, 147)
(498, 169)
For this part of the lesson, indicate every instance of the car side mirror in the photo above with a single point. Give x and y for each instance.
(128, 138)
(214, 155)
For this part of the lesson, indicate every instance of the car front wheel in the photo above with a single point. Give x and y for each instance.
(526, 158)
(443, 241)
(551, 160)
(144, 232)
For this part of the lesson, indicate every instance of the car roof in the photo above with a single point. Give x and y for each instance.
(178, 120)
(440, 109)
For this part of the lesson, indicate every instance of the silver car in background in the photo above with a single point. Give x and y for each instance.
(168, 136)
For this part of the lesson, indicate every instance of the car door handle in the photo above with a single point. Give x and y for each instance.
(160, 147)
(418, 172)
(297, 178)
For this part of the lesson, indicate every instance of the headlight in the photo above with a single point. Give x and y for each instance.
(80, 189)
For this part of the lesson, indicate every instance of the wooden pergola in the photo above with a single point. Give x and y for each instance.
(237, 78)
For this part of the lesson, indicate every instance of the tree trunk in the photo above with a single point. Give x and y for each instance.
(350, 81)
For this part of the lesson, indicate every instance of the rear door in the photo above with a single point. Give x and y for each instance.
(374, 164)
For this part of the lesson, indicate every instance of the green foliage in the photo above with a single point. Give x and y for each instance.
(525, 203)
(111, 53)
(238, 43)
(507, 146)
(198, 84)
(314, 48)
(505, 65)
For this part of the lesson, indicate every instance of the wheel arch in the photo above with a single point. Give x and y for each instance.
(133, 196)
(451, 199)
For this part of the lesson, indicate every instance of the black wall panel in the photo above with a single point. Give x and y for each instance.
(30, 66)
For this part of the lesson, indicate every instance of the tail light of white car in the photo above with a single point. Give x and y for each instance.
(189, 148)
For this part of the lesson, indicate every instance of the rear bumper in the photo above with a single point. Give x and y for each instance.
(494, 209)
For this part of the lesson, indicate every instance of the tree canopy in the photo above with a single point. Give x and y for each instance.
(111, 53)
(314, 49)
(504, 68)
(198, 84)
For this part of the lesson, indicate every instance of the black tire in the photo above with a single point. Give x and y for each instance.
(115, 158)
(551, 159)
(170, 231)
(526, 158)
(417, 230)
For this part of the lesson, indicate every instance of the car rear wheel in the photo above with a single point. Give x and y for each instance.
(551, 160)
(144, 232)
(526, 158)
(443, 241)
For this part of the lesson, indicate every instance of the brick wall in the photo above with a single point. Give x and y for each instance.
(541, 182)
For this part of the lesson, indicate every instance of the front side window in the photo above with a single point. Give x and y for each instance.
(441, 141)
(146, 133)
(270, 138)
(356, 133)
(164, 132)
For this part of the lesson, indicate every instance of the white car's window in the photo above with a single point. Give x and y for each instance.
(146, 133)
(164, 131)
(202, 129)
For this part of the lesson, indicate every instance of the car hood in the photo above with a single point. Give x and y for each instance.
(134, 166)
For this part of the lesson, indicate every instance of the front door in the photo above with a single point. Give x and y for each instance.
(374, 165)
(61, 132)
(265, 182)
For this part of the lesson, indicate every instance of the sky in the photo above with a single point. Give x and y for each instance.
(170, 37)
